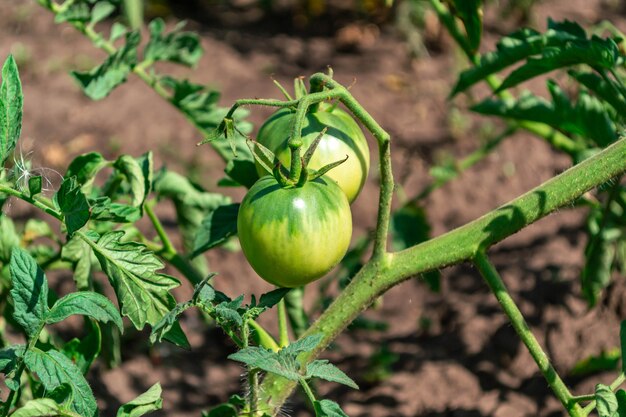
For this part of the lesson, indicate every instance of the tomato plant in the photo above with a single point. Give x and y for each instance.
(294, 235)
(343, 138)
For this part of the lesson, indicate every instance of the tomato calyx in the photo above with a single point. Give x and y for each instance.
(299, 173)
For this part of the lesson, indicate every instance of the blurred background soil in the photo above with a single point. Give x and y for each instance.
(450, 353)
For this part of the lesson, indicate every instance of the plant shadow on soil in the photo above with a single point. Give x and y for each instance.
(456, 355)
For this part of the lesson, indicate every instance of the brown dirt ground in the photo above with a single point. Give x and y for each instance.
(467, 361)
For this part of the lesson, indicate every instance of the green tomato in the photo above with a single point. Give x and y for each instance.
(343, 137)
(292, 236)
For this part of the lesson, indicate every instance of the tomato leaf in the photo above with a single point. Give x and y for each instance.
(9, 357)
(101, 80)
(587, 117)
(101, 11)
(73, 204)
(326, 370)
(218, 225)
(54, 370)
(43, 407)
(621, 403)
(328, 408)
(145, 403)
(608, 91)
(86, 303)
(470, 13)
(606, 401)
(138, 174)
(29, 291)
(167, 322)
(85, 167)
(605, 361)
(11, 107)
(102, 209)
(177, 46)
(34, 185)
(142, 292)
(9, 238)
(83, 352)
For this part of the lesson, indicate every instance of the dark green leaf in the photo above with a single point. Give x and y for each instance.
(29, 291)
(604, 90)
(587, 118)
(621, 403)
(470, 12)
(270, 299)
(11, 105)
(34, 185)
(606, 402)
(86, 303)
(147, 402)
(222, 410)
(326, 370)
(228, 311)
(102, 209)
(216, 228)
(328, 408)
(55, 369)
(9, 356)
(100, 81)
(43, 407)
(73, 204)
(84, 351)
(160, 329)
(595, 52)
(176, 46)
(142, 292)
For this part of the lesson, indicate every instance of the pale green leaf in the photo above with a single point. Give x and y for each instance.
(43, 407)
(606, 402)
(147, 402)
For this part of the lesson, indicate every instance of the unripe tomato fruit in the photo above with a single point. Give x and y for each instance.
(292, 236)
(343, 137)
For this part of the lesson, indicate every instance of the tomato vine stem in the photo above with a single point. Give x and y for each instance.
(459, 245)
(497, 286)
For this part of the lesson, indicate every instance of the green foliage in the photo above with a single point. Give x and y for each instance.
(11, 103)
(145, 403)
(100, 81)
(73, 205)
(177, 46)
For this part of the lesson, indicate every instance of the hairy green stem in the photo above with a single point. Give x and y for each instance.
(493, 279)
(283, 335)
(169, 252)
(43, 206)
(384, 151)
(18, 373)
(461, 244)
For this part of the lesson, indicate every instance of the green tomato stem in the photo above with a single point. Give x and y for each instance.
(283, 333)
(464, 243)
(307, 391)
(493, 279)
(384, 150)
(265, 339)
(43, 206)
